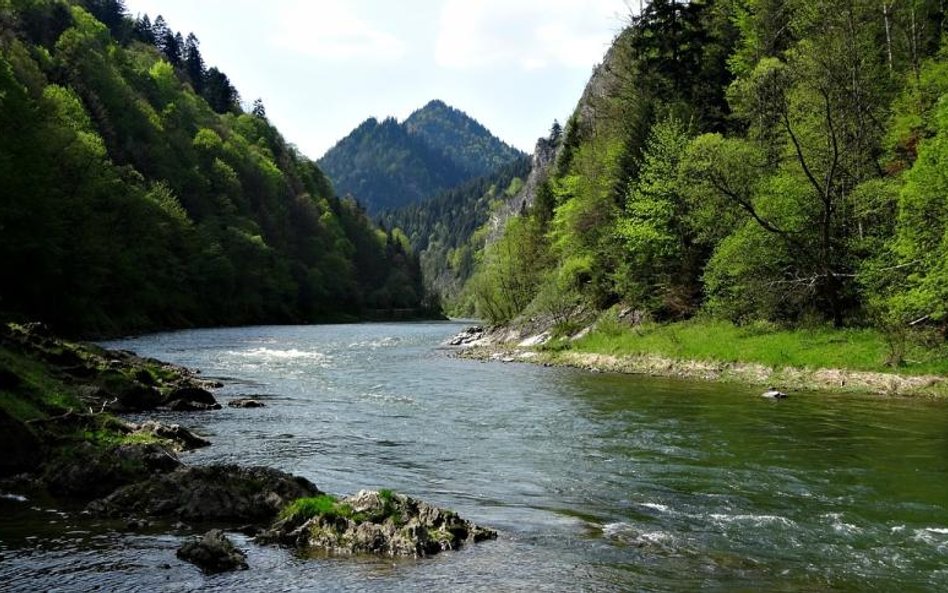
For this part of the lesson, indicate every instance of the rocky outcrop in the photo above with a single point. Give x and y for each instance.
(105, 380)
(213, 553)
(382, 523)
(87, 471)
(217, 493)
(467, 336)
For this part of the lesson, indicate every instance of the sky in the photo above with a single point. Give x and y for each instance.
(322, 67)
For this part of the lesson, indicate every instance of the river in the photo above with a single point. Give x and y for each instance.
(596, 482)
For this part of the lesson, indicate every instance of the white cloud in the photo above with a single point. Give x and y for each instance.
(331, 30)
(532, 34)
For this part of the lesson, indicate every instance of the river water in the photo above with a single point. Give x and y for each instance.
(596, 482)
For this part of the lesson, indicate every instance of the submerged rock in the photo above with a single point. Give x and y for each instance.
(246, 403)
(381, 523)
(213, 553)
(182, 405)
(774, 393)
(215, 493)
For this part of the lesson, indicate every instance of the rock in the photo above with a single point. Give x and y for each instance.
(21, 448)
(246, 403)
(182, 438)
(215, 493)
(86, 471)
(189, 406)
(195, 395)
(126, 394)
(213, 553)
(467, 336)
(381, 523)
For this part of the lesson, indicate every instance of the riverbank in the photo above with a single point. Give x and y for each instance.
(848, 361)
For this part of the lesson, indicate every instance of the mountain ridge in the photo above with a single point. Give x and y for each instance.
(387, 164)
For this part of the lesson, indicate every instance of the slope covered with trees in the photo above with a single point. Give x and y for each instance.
(387, 164)
(752, 160)
(138, 194)
(447, 231)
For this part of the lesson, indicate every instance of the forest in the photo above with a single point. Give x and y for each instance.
(140, 193)
(754, 161)
(388, 165)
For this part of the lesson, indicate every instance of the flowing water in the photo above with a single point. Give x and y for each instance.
(595, 482)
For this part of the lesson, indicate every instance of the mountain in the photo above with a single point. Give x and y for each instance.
(388, 164)
(138, 194)
(460, 138)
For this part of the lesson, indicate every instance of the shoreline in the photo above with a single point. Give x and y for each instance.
(831, 380)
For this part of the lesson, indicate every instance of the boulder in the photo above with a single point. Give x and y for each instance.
(87, 471)
(191, 399)
(124, 393)
(246, 403)
(215, 493)
(382, 523)
(182, 405)
(181, 438)
(213, 553)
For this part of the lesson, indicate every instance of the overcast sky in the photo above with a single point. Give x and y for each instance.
(324, 66)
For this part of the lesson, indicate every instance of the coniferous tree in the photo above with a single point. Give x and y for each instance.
(144, 31)
(194, 63)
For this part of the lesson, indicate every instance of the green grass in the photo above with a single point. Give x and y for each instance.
(324, 505)
(38, 394)
(850, 349)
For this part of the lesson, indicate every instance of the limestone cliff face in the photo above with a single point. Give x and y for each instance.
(603, 83)
(544, 157)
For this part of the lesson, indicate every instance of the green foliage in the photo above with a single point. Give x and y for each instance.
(447, 230)
(388, 165)
(756, 160)
(462, 139)
(920, 245)
(510, 272)
(131, 203)
(661, 251)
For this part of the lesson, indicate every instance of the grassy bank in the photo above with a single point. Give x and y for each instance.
(848, 360)
(849, 349)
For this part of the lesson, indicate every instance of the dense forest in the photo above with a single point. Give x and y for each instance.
(386, 165)
(447, 231)
(139, 194)
(781, 161)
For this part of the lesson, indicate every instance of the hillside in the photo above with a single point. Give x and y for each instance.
(387, 164)
(138, 194)
(749, 163)
(450, 228)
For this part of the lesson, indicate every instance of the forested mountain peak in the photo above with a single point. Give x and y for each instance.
(389, 164)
